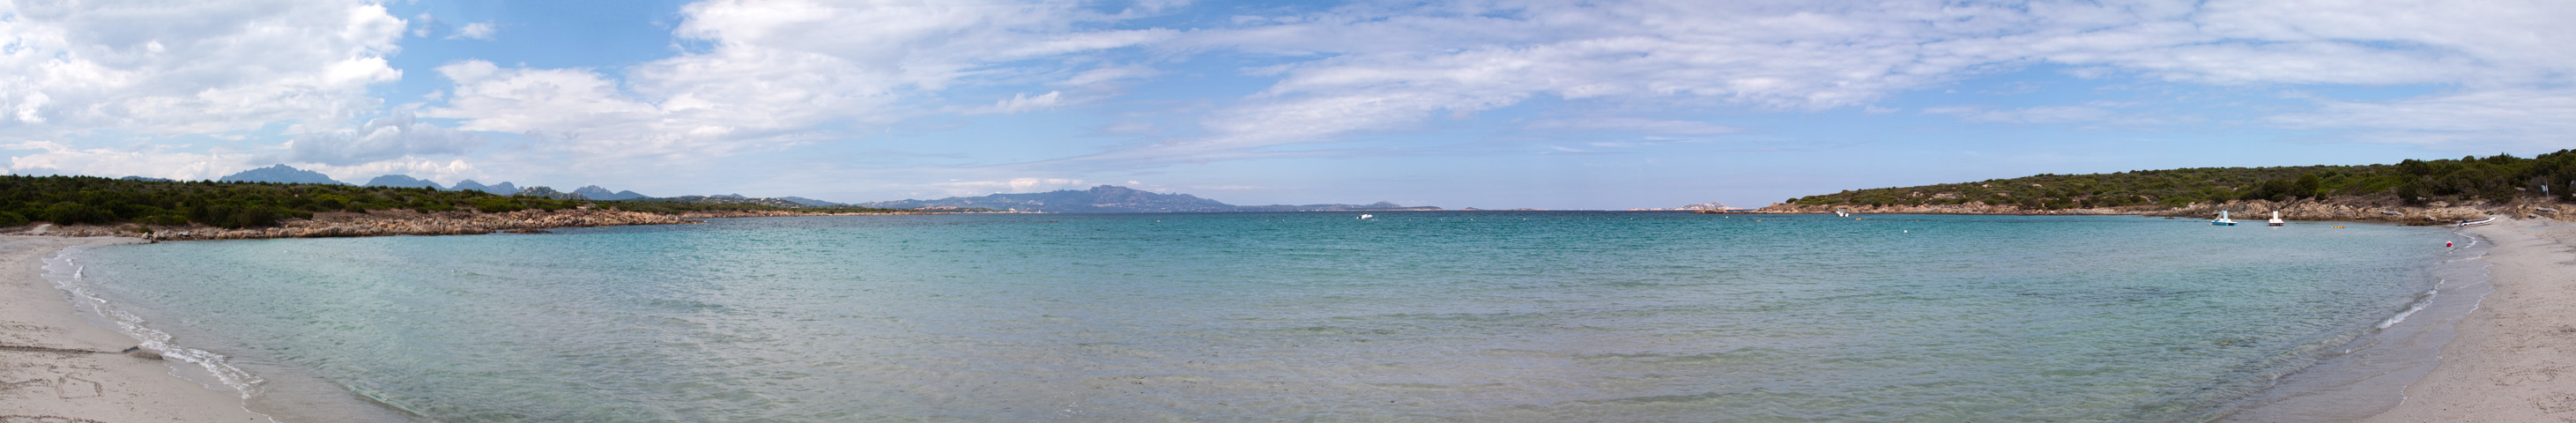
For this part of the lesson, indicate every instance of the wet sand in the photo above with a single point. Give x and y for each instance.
(2514, 359)
(56, 367)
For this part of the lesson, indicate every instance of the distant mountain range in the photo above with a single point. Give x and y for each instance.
(1100, 199)
(1116, 199)
(291, 175)
(730, 199)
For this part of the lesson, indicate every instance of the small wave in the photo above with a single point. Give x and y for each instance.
(2420, 302)
(153, 339)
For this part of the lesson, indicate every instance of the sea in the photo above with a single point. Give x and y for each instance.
(1400, 316)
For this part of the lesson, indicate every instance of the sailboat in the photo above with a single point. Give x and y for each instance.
(2223, 220)
(2276, 219)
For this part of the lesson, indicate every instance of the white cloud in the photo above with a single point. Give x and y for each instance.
(188, 67)
(149, 161)
(1374, 67)
(477, 31)
(2039, 114)
(780, 72)
(2489, 120)
(1634, 125)
(955, 188)
(397, 134)
(1022, 102)
(445, 172)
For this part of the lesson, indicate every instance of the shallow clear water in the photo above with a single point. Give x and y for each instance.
(1294, 316)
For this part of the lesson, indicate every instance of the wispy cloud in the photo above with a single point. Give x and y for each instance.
(1635, 125)
(476, 31)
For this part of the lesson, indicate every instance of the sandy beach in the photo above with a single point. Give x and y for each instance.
(2515, 357)
(54, 367)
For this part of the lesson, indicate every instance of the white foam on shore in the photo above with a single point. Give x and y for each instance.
(77, 284)
(2427, 299)
(2371, 373)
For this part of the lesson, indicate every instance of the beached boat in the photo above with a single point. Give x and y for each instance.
(2276, 219)
(2489, 219)
(2223, 220)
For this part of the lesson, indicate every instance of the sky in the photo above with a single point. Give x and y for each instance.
(1488, 104)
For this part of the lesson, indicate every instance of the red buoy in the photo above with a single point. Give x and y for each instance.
(2446, 244)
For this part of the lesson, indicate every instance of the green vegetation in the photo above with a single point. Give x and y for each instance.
(73, 200)
(2498, 178)
(97, 201)
(676, 207)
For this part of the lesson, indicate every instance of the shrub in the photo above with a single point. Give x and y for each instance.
(497, 205)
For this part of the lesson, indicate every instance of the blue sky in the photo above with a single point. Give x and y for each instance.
(1489, 104)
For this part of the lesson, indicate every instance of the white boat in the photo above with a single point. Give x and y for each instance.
(1841, 213)
(2489, 219)
(1366, 216)
(2223, 220)
(2276, 218)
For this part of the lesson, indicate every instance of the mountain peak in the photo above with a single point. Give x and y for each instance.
(596, 192)
(402, 181)
(281, 174)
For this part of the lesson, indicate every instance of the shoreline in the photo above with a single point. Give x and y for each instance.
(2508, 361)
(406, 222)
(55, 365)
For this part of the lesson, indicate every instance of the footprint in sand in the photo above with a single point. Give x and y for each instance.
(2544, 373)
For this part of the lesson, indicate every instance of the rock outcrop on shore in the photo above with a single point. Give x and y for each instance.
(384, 223)
(2360, 209)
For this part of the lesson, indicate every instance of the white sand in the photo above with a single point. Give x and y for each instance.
(2515, 357)
(56, 367)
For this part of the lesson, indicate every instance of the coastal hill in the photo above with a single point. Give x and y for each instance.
(2411, 190)
(1113, 199)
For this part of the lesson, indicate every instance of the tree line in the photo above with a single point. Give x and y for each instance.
(72, 200)
(2498, 178)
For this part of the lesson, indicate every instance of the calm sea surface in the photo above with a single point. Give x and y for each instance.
(1473, 316)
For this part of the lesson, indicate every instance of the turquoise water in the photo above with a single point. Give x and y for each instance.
(1478, 316)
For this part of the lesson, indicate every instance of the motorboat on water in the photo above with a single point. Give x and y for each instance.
(2276, 219)
(2223, 220)
(2489, 219)
(1842, 213)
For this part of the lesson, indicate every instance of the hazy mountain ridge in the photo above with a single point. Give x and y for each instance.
(727, 199)
(1115, 199)
(594, 192)
(503, 188)
(282, 174)
(405, 181)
